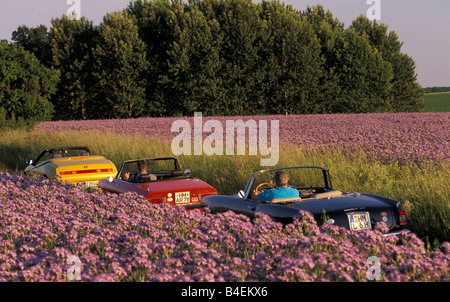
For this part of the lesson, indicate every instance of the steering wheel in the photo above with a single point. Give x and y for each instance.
(264, 184)
(131, 174)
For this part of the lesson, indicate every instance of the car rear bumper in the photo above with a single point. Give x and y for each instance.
(397, 232)
(193, 206)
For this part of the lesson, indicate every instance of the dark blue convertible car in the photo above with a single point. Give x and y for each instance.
(354, 211)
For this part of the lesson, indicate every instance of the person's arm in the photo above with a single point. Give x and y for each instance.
(264, 196)
(255, 195)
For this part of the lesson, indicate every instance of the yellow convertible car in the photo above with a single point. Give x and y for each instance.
(72, 164)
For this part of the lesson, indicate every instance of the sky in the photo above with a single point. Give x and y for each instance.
(422, 26)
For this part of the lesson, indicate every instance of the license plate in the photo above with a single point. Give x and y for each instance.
(359, 221)
(86, 184)
(182, 197)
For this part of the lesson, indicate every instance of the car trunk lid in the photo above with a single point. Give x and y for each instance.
(178, 192)
(348, 209)
(87, 169)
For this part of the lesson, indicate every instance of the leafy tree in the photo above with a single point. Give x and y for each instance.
(363, 76)
(356, 77)
(298, 64)
(194, 63)
(183, 54)
(406, 94)
(120, 59)
(330, 33)
(35, 40)
(436, 89)
(73, 41)
(224, 57)
(152, 19)
(241, 70)
(25, 85)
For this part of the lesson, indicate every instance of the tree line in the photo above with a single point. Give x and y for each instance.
(436, 89)
(221, 57)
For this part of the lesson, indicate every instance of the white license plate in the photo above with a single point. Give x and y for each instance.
(86, 184)
(182, 197)
(359, 221)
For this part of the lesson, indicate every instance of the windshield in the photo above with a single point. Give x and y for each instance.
(298, 178)
(56, 153)
(307, 180)
(150, 166)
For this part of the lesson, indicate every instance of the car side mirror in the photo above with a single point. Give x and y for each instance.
(241, 193)
(187, 172)
(29, 162)
(110, 179)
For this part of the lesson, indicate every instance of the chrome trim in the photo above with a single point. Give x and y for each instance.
(406, 231)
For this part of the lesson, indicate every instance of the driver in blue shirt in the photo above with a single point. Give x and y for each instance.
(281, 190)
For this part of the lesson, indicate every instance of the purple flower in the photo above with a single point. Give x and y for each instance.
(123, 238)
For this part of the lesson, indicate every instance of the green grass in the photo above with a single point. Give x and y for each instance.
(423, 190)
(437, 102)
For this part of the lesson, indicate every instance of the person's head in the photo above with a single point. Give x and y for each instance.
(142, 165)
(281, 179)
(52, 152)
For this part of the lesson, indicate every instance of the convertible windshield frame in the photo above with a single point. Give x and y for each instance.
(135, 161)
(251, 180)
(60, 149)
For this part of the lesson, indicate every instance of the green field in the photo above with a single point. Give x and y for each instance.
(421, 189)
(437, 102)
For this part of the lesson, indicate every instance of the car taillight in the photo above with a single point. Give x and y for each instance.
(402, 213)
(85, 171)
(201, 195)
(157, 200)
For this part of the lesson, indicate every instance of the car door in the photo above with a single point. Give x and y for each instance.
(243, 206)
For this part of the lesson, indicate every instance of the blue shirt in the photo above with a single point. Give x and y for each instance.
(280, 192)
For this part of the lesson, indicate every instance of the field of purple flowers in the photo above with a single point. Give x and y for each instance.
(388, 137)
(123, 238)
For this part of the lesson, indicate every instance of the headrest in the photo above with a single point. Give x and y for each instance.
(177, 173)
(147, 177)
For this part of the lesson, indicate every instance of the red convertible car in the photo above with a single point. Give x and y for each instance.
(159, 180)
